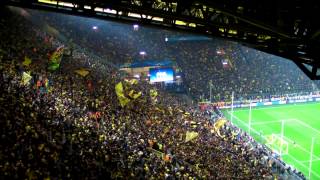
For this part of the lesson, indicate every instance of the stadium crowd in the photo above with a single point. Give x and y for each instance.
(249, 73)
(64, 125)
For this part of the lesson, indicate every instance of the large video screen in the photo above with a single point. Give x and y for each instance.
(161, 74)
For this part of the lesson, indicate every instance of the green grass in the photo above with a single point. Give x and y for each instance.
(301, 124)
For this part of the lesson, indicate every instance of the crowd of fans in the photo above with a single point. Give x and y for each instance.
(61, 125)
(249, 73)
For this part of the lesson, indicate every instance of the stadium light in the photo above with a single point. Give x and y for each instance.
(136, 27)
(166, 39)
(136, 76)
(94, 27)
(220, 52)
(142, 53)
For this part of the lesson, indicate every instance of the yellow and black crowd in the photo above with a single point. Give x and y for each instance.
(77, 123)
(250, 74)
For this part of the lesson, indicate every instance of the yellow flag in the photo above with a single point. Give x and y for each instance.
(82, 72)
(160, 146)
(135, 96)
(40, 147)
(190, 135)
(119, 91)
(186, 114)
(27, 61)
(219, 123)
(193, 124)
(131, 93)
(26, 78)
(102, 138)
(132, 81)
(153, 93)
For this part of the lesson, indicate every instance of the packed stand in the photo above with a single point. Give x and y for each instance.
(60, 125)
(249, 73)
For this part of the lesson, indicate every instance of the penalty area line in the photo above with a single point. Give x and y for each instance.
(298, 146)
(270, 122)
(307, 161)
(307, 125)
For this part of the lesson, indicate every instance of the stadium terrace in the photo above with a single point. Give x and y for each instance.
(80, 101)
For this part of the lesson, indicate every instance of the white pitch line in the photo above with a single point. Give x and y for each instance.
(269, 122)
(299, 146)
(245, 124)
(280, 106)
(306, 161)
(299, 162)
(237, 118)
(307, 125)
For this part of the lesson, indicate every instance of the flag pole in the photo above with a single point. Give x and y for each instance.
(232, 98)
(311, 153)
(281, 142)
(250, 114)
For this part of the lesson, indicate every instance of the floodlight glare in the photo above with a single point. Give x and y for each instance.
(142, 53)
(137, 76)
(135, 27)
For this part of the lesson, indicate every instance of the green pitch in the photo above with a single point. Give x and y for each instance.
(301, 124)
